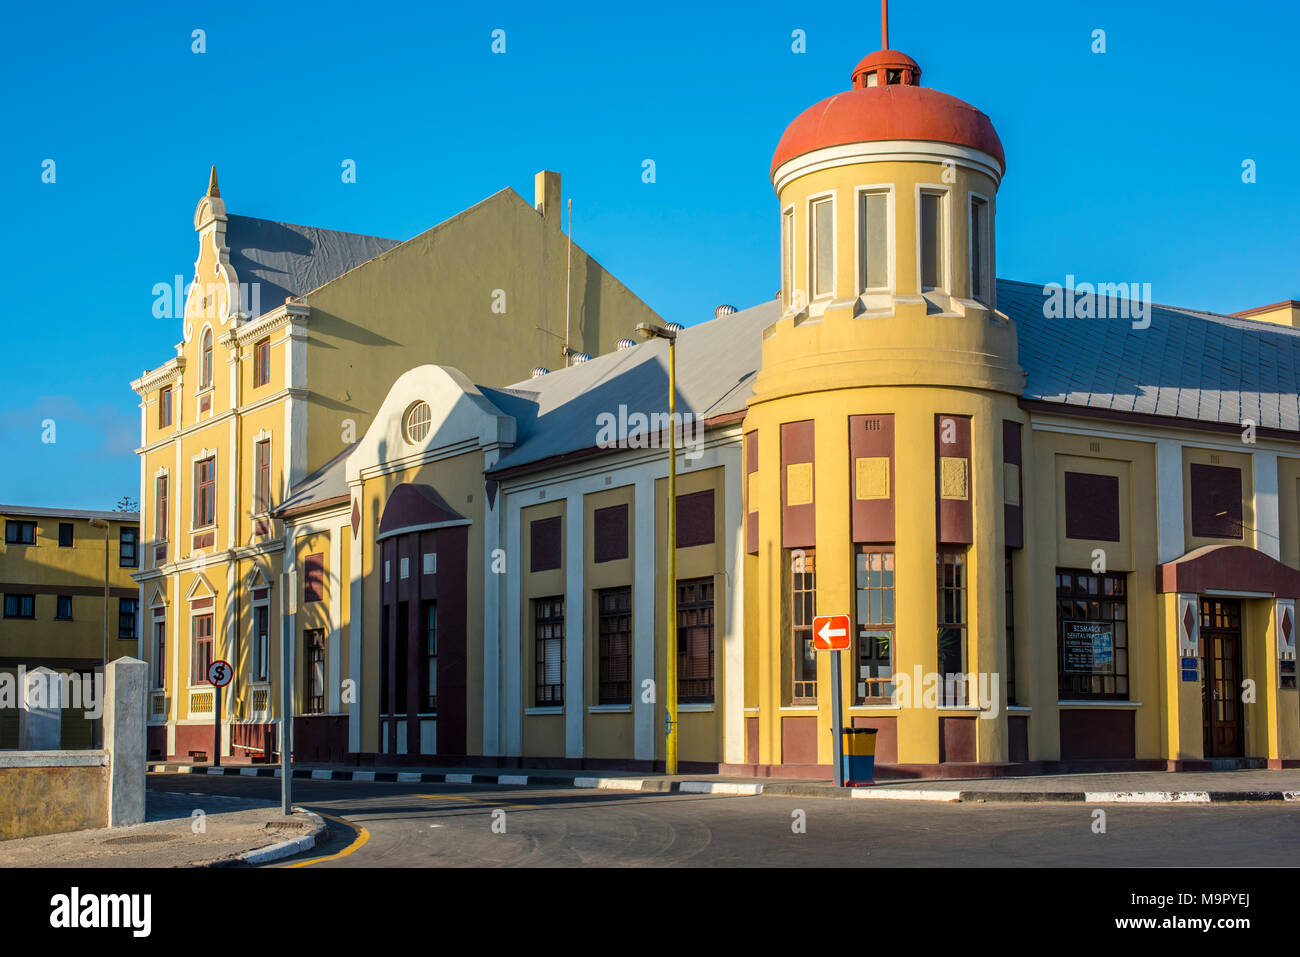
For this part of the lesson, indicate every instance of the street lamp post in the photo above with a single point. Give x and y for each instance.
(106, 526)
(649, 330)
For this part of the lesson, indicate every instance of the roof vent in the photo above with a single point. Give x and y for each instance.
(538, 372)
(674, 327)
(723, 310)
(624, 344)
(578, 358)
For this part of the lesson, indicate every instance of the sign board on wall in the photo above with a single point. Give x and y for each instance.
(1088, 646)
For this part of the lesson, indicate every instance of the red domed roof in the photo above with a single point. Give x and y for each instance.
(897, 110)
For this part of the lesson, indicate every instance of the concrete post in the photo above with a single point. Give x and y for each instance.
(124, 739)
(40, 718)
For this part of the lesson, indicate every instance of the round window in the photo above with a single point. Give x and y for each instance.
(418, 419)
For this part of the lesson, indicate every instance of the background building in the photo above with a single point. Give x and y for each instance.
(52, 575)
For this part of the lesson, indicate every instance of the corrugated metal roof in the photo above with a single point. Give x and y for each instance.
(288, 260)
(31, 511)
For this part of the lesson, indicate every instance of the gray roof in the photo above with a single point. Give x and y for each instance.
(557, 413)
(1186, 364)
(288, 260)
(327, 482)
(33, 511)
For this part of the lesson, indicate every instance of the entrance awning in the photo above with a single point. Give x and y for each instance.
(1228, 568)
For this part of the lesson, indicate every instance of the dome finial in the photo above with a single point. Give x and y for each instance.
(212, 184)
(884, 24)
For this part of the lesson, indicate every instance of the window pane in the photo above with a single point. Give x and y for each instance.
(979, 247)
(787, 254)
(823, 248)
(875, 240)
(931, 240)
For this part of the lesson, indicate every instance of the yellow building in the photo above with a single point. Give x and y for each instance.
(290, 338)
(54, 566)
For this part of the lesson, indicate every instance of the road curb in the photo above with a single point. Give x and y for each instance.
(279, 850)
(737, 789)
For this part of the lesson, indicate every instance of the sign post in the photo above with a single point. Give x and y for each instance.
(831, 633)
(219, 675)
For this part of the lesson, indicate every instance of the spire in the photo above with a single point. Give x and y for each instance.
(212, 182)
(884, 24)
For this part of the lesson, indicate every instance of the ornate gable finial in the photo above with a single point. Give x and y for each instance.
(212, 184)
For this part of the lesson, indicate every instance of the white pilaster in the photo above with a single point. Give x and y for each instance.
(575, 706)
(492, 512)
(335, 585)
(643, 617)
(1169, 481)
(1268, 528)
(733, 651)
(511, 711)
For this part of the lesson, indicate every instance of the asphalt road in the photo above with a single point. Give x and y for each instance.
(445, 825)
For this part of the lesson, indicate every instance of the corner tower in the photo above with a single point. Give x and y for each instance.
(883, 437)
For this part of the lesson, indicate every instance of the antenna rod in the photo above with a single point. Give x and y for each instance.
(568, 284)
(884, 24)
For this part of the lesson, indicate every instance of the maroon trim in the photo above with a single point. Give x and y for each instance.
(1092, 507)
(956, 739)
(1228, 568)
(871, 436)
(751, 740)
(1097, 735)
(886, 737)
(201, 603)
(544, 544)
(1247, 313)
(1146, 418)
(695, 519)
(609, 533)
(1216, 501)
(798, 522)
(414, 504)
(954, 522)
(799, 739)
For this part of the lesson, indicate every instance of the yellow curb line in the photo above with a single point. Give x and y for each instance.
(362, 836)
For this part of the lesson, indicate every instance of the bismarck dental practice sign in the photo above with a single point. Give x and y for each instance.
(1089, 646)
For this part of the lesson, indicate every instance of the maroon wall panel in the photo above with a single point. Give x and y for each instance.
(1216, 501)
(956, 739)
(544, 544)
(799, 740)
(953, 519)
(610, 533)
(798, 522)
(1096, 734)
(751, 740)
(871, 436)
(695, 519)
(321, 739)
(1013, 521)
(751, 514)
(1017, 737)
(886, 737)
(1092, 507)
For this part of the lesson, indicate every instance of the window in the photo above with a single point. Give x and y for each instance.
(205, 492)
(980, 274)
(787, 256)
(614, 626)
(262, 362)
(164, 407)
(128, 537)
(261, 641)
(931, 232)
(202, 631)
(952, 625)
(262, 476)
(63, 608)
(873, 239)
(314, 693)
(874, 620)
(1092, 627)
(695, 641)
(205, 360)
(1011, 629)
(20, 606)
(20, 533)
(313, 577)
(65, 534)
(803, 606)
(160, 509)
(159, 650)
(823, 247)
(127, 612)
(548, 641)
(429, 680)
(418, 420)
(384, 641)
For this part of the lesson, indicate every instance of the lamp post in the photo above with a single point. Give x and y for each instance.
(648, 330)
(106, 526)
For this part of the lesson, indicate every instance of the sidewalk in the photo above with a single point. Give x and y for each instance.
(1145, 787)
(228, 829)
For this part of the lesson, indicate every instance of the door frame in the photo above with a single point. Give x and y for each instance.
(1209, 677)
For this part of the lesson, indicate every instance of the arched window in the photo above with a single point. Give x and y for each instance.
(205, 363)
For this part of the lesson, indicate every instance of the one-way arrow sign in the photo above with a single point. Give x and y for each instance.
(830, 632)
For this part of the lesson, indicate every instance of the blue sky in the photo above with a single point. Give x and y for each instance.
(1122, 166)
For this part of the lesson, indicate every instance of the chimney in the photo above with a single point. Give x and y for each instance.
(1284, 313)
(546, 193)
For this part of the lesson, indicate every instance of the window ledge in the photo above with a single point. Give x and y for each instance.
(610, 709)
(1019, 707)
(800, 708)
(547, 710)
(1099, 703)
(961, 708)
(874, 707)
(693, 708)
